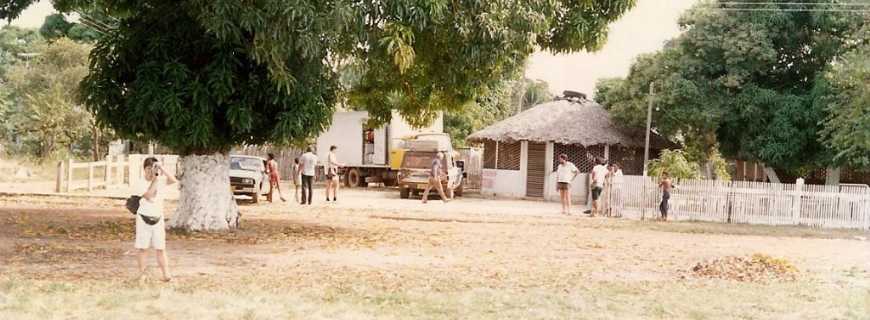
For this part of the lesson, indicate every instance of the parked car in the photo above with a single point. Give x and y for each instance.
(248, 176)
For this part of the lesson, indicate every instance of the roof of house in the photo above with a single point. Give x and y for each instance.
(562, 121)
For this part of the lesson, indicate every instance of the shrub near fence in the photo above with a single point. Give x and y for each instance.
(843, 206)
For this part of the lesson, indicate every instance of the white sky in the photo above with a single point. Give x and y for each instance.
(644, 29)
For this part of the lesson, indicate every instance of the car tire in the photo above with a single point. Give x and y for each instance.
(404, 193)
(255, 197)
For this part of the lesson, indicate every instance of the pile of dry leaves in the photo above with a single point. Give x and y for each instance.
(755, 268)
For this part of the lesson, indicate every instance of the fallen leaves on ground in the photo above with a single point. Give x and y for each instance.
(756, 268)
(60, 253)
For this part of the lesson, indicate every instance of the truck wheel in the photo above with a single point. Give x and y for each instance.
(355, 179)
(404, 193)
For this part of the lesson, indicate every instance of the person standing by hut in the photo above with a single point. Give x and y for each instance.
(565, 174)
(274, 178)
(599, 174)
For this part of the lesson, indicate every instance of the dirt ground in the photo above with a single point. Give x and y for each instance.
(375, 256)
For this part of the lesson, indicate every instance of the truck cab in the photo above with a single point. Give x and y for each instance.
(417, 162)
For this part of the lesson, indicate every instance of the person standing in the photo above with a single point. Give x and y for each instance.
(309, 164)
(566, 172)
(152, 234)
(274, 178)
(599, 176)
(616, 188)
(332, 166)
(666, 186)
(297, 179)
(435, 174)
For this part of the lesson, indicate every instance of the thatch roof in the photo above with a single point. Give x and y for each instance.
(580, 122)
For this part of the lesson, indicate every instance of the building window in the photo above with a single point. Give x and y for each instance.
(502, 156)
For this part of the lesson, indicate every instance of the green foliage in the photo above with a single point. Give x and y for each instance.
(501, 101)
(41, 110)
(742, 81)
(56, 26)
(846, 96)
(11, 9)
(202, 76)
(14, 42)
(675, 164)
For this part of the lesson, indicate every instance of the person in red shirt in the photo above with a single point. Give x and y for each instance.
(274, 178)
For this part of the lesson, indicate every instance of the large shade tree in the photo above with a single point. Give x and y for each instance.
(201, 76)
(741, 80)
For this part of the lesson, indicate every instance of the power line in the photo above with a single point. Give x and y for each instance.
(792, 10)
(834, 4)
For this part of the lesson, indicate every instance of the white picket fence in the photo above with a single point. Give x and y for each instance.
(843, 206)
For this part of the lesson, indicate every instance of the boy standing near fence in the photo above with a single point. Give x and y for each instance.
(666, 186)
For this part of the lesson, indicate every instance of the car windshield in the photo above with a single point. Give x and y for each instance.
(249, 164)
(418, 160)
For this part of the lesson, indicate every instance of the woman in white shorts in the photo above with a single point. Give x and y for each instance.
(152, 236)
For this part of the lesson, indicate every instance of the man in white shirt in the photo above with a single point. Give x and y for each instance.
(565, 174)
(332, 180)
(152, 234)
(309, 164)
(599, 175)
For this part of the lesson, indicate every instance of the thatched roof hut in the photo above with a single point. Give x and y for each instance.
(569, 122)
(521, 152)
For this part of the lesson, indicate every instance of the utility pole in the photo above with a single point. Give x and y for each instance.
(648, 124)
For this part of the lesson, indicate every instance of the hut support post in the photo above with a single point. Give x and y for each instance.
(496, 154)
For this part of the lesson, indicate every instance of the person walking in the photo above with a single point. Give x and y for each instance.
(435, 173)
(150, 225)
(566, 172)
(332, 181)
(599, 174)
(297, 179)
(666, 185)
(309, 164)
(274, 178)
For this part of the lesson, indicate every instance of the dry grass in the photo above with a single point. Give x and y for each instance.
(65, 258)
(274, 297)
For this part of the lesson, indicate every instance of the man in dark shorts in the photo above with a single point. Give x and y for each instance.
(666, 186)
(598, 177)
(566, 172)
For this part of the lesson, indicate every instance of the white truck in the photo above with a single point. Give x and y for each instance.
(369, 154)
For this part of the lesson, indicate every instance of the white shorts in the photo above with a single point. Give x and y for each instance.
(150, 236)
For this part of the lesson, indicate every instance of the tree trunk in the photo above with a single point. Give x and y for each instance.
(771, 175)
(832, 176)
(206, 202)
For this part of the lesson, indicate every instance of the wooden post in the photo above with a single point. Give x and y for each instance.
(69, 175)
(108, 175)
(796, 202)
(90, 176)
(59, 180)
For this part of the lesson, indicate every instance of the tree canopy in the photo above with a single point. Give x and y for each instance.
(742, 81)
(201, 76)
(844, 93)
(56, 26)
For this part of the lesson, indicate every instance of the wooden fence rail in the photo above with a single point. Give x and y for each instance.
(114, 171)
(843, 206)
